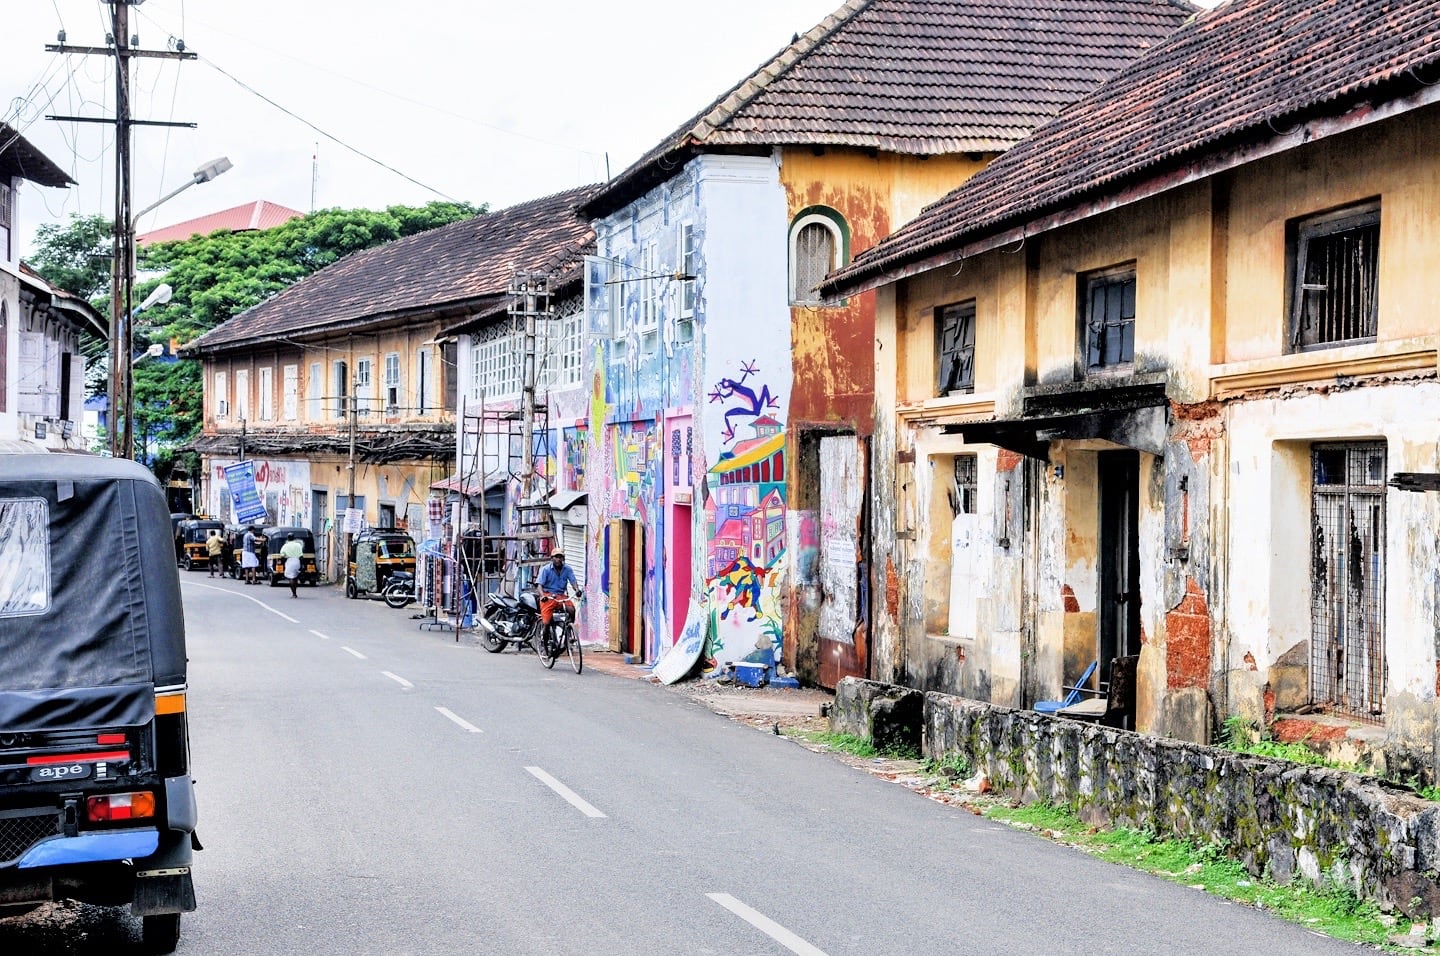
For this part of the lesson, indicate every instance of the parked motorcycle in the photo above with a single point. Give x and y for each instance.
(507, 620)
(399, 589)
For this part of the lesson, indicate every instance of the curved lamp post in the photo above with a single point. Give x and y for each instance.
(122, 345)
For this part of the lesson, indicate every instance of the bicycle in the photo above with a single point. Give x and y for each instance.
(559, 637)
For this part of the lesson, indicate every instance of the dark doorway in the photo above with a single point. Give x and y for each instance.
(1119, 557)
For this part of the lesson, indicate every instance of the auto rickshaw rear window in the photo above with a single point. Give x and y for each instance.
(24, 556)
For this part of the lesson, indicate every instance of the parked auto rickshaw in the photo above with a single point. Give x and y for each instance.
(95, 791)
(234, 535)
(374, 554)
(309, 571)
(193, 534)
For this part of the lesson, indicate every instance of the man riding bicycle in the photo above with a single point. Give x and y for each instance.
(555, 581)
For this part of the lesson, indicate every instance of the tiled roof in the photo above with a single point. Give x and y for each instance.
(260, 214)
(456, 266)
(1242, 74)
(19, 158)
(922, 77)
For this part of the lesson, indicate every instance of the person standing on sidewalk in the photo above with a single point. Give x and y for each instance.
(214, 547)
(292, 551)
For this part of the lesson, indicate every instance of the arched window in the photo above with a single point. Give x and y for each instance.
(819, 244)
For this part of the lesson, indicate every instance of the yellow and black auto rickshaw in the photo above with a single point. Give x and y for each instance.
(194, 532)
(374, 555)
(276, 536)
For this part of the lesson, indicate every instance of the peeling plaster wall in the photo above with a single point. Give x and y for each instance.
(1268, 613)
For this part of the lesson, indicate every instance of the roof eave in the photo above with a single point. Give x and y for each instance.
(1161, 178)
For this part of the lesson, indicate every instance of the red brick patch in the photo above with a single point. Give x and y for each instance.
(1008, 460)
(1296, 730)
(1187, 640)
(1067, 597)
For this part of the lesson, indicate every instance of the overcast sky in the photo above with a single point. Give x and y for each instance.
(492, 101)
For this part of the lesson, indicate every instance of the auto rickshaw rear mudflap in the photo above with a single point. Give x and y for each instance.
(91, 637)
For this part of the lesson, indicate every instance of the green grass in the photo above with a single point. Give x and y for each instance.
(855, 746)
(1241, 735)
(947, 770)
(1334, 912)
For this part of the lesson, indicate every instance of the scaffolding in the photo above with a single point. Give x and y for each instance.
(512, 531)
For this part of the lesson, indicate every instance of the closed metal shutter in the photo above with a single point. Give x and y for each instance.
(572, 542)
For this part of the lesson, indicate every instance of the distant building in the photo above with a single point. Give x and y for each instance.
(42, 329)
(250, 217)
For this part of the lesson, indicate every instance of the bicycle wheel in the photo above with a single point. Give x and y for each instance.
(572, 645)
(545, 646)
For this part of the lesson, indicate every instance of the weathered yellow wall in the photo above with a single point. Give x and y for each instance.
(1319, 177)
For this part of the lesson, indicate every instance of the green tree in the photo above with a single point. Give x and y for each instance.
(75, 255)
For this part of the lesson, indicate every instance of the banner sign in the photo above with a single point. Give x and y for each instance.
(244, 496)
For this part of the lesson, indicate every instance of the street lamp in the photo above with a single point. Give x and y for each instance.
(122, 333)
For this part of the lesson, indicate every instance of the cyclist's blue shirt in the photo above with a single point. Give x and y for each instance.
(554, 582)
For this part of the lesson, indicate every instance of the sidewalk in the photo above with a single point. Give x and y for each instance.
(805, 707)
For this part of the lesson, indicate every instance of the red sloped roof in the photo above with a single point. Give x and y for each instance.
(260, 214)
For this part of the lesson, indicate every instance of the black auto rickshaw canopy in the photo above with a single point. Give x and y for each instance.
(90, 613)
(196, 530)
(277, 535)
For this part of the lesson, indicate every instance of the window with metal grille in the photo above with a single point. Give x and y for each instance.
(1347, 578)
(965, 488)
(955, 348)
(1107, 318)
(340, 372)
(1334, 260)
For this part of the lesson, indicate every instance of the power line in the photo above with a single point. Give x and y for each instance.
(330, 136)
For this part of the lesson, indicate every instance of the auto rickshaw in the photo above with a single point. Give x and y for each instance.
(95, 795)
(374, 554)
(193, 534)
(309, 572)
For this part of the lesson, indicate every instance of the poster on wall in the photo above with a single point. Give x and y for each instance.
(244, 496)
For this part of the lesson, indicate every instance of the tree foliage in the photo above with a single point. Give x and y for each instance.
(75, 255)
(213, 278)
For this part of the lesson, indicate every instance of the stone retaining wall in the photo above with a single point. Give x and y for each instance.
(1279, 819)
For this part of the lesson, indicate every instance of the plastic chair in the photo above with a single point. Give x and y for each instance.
(1072, 698)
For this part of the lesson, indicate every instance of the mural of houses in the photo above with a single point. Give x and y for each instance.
(1164, 386)
(709, 332)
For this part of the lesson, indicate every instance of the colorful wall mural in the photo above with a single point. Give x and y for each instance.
(745, 515)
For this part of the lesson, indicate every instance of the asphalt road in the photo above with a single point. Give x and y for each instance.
(369, 788)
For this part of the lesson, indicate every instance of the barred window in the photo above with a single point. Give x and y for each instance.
(1334, 260)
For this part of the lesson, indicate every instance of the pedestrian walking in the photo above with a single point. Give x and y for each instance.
(292, 551)
(249, 558)
(214, 548)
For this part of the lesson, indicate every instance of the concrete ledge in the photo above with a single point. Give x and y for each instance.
(887, 715)
(1279, 819)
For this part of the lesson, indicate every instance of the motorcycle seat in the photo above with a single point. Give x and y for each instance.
(505, 601)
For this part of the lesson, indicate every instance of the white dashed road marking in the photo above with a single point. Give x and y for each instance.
(571, 797)
(461, 721)
(323, 637)
(766, 925)
(398, 679)
(351, 650)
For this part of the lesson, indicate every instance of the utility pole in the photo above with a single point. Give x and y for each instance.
(122, 278)
(354, 417)
(242, 439)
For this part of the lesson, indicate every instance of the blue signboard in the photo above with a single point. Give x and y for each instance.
(244, 496)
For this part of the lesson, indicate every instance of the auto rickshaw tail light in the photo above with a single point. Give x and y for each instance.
(106, 740)
(139, 805)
